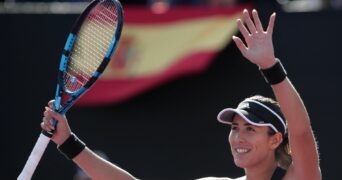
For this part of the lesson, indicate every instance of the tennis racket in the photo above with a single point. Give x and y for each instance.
(87, 52)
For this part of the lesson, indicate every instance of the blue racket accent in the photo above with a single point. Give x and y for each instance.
(63, 63)
(97, 74)
(80, 91)
(57, 102)
(70, 41)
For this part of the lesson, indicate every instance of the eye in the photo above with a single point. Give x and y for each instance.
(234, 128)
(250, 129)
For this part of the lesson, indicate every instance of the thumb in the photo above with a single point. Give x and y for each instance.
(241, 46)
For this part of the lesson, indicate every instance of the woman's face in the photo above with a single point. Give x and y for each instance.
(250, 145)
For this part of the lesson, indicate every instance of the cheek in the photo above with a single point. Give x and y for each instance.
(230, 138)
(262, 144)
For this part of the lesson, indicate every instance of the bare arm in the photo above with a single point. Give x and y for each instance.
(99, 168)
(259, 50)
(92, 164)
(302, 142)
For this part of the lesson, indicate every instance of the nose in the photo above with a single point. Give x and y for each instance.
(239, 137)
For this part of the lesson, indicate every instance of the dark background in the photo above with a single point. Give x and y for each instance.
(170, 132)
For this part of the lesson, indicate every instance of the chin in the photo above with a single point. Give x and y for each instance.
(240, 164)
(243, 164)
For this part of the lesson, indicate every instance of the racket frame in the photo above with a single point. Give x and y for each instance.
(44, 137)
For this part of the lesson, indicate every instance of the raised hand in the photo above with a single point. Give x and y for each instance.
(259, 46)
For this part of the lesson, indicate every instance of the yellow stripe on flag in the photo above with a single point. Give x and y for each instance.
(148, 49)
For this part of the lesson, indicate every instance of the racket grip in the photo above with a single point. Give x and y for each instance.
(35, 156)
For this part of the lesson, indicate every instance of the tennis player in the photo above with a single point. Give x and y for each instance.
(270, 140)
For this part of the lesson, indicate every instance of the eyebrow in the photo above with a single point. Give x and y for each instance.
(246, 124)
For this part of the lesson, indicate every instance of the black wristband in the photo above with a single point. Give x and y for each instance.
(71, 147)
(274, 74)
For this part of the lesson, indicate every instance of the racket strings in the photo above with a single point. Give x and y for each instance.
(93, 40)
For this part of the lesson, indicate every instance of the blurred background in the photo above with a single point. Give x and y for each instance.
(166, 128)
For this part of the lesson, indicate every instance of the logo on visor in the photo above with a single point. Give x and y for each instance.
(244, 106)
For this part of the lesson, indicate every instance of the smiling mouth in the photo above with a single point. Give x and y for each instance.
(242, 150)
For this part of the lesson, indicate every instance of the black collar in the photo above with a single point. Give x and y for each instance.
(278, 174)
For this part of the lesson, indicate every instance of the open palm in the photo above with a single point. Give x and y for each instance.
(259, 46)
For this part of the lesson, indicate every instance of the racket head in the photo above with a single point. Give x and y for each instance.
(88, 50)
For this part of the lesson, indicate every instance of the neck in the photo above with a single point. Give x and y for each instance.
(262, 171)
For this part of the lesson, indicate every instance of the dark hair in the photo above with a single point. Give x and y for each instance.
(283, 152)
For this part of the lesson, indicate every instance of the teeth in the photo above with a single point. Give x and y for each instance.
(242, 150)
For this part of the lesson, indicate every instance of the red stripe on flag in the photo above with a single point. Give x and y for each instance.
(139, 14)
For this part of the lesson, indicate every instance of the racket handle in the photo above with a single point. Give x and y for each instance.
(35, 156)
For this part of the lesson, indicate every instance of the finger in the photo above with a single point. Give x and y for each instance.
(257, 21)
(241, 46)
(48, 123)
(50, 103)
(56, 116)
(45, 125)
(249, 22)
(243, 29)
(46, 112)
(271, 24)
(48, 115)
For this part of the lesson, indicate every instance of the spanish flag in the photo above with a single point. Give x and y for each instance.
(157, 48)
